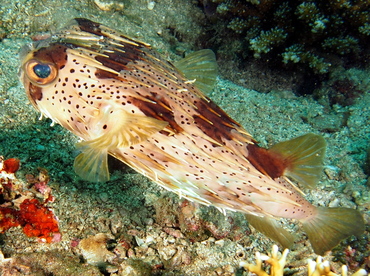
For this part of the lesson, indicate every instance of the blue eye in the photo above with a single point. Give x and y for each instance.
(40, 73)
(42, 70)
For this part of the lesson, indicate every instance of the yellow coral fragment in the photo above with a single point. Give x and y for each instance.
(321, 267)
(318, 268)
(277, 265)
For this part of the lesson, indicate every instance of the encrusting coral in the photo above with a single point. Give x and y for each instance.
(20, 206)
(277, 264)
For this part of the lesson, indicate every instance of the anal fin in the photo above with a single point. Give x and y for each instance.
(271, 228)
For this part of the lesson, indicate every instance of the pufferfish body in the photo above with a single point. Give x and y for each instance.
(124, 99)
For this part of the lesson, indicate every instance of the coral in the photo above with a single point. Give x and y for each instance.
(277, 264)
(354, 252)
(19, 207)
(308, 12)
(365, 29)
(267, 40)
(296, 53)
(321, 267)
(10, 165)
(38, 221)
(315, 34)
(342, 45)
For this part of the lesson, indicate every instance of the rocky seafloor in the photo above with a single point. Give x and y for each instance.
(129, 225)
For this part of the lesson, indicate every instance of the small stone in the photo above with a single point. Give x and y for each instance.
(220, 242)
(94, 249)
(109, 5)
(104, 197)
(328, 122)
(151, 5)
(334, 203)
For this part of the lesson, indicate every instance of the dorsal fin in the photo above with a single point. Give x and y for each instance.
(303, 157)
(200, 66)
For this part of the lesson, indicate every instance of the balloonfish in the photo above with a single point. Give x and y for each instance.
(123, 99)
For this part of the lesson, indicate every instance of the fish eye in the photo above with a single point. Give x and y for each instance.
(42, 70)
(40, 73)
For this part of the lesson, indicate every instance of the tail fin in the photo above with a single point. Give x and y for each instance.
(326, 229)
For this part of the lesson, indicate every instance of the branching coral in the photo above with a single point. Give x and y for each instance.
(267, 40)
(323, 31)
(321, 267)
(277, 264)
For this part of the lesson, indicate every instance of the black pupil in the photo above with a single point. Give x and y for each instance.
(42, 70)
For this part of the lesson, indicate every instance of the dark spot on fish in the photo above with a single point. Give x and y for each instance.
(266, 162)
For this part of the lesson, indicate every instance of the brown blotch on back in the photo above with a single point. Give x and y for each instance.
(221, 125)
(102, 74)
(119, 53)
(120, 58)
(89, 26)
(266, 162)
(158, 111)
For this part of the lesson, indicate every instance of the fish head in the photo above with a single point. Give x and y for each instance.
(38, 72)
(80, 78)
(59, 75)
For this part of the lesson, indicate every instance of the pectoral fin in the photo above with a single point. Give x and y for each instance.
(91, 164)
(127, 130)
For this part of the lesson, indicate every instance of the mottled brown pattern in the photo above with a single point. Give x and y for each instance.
(118, 60)
(122, 55)
(35, 93)
(55, 53)
(102, 74)
(88, 26)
